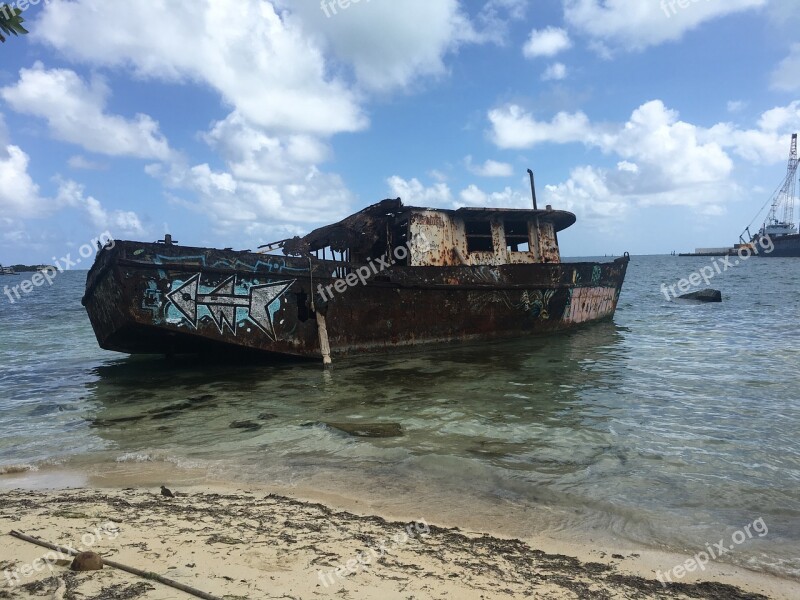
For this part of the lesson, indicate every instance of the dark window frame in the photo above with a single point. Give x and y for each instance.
(479, 236)
(517, 233)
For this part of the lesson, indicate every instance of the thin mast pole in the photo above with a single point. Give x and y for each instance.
(533, 190)
(535, 207)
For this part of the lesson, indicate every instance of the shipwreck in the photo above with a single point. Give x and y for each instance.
(386, 277)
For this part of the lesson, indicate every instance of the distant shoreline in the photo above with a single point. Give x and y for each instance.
(30, 268)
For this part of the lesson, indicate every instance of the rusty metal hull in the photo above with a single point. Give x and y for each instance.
(152, 298)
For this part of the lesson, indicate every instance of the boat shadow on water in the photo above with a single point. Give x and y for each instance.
(244, 396)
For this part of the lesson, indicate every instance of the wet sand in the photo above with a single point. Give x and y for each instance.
(235, 543)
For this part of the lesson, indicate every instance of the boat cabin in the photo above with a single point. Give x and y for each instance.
(439, 237)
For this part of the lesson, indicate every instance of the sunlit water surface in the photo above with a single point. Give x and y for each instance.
(672, 427)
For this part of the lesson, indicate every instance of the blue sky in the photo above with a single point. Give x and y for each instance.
(662, 125)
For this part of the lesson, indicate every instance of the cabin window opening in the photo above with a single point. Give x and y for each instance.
(329, 254)
(339, 258)
(517, 237)
(479, 236)
(303, 312)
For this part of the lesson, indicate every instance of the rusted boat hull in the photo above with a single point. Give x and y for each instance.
(152, 298)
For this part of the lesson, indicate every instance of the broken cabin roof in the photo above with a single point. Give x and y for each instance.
(365, 225)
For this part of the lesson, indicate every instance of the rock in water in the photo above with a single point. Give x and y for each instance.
(246, 425)
(703, 296)
(369, 430)
(87, 561)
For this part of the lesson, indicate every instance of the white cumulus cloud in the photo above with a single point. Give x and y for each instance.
(19, 194)
(259, 61)
(117, 222)
(637, 24)
(474, 196)
(546, 42)
(555, 72)
(439, 195)
(271, 183)
(513, 127)
(76, 113)
(21, 198)
(414, 193)
(390, 45)
(491, 168)
(254, 154)
(662, 160)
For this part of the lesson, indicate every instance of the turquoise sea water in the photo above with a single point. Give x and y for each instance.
(673, 426)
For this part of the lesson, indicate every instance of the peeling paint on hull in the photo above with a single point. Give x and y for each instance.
(157, 299)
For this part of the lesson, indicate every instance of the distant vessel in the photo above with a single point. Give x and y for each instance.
(778, 231)
(780, 226)
(7, 270)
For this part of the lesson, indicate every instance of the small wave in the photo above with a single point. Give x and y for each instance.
(16, 469)
(151, 456)
(136, 457)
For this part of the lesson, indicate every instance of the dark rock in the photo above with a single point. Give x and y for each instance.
(112, 422)
(45, 409)
(166, 414)
(196, 402)
(703, 296)
(369, 430)
(87, 561)
(246, 425)
(200, 399)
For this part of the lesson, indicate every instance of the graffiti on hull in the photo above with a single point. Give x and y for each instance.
(260, 302)
(537, 302)
(590, 303)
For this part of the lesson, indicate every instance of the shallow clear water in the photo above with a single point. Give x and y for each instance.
(673, 426)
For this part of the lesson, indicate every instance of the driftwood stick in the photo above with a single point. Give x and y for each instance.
(121, 567)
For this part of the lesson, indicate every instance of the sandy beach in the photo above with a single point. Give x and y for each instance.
(249, 543)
